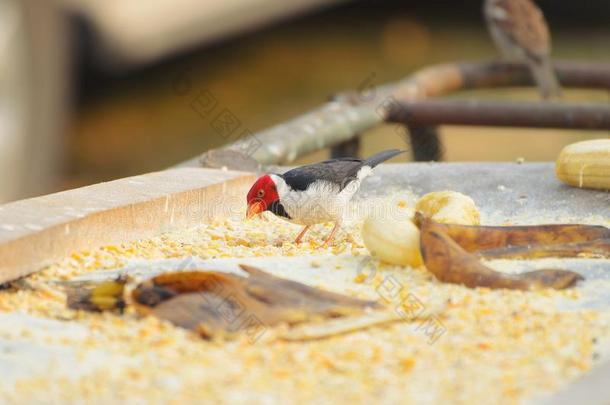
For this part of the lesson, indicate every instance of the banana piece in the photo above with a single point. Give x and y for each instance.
(449, 207)
(393, 240)
(585, 164)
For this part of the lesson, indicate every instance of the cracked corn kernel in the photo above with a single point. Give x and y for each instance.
(407, 364)
(360, 278)
(504, 345)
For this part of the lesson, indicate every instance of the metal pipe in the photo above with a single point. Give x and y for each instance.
(425, 143)
(346, 149)
(499, 113)
(350, 114)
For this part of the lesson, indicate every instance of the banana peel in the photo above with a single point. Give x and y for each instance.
(595, 249)
(97, 297)
(223, 305)
(447, 253)
(480, 238)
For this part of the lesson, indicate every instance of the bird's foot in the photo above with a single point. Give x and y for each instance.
(300, 235)
(330, 236)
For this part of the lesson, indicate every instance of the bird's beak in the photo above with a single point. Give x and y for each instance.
(255, 207)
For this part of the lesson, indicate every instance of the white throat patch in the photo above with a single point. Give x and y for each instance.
(323, 201)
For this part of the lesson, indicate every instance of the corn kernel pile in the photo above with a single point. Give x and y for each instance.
(485, 345)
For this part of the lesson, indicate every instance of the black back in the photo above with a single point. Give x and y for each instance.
(340, 171)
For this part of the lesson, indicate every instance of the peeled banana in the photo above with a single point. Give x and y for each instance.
(449, 207)
(585, 164)
(395, 238)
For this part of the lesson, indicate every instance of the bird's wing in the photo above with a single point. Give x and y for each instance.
(523, 22)
(336, 171)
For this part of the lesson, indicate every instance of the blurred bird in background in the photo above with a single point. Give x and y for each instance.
(520, 31)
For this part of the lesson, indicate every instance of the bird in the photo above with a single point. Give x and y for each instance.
(314, 193)
(521, 33)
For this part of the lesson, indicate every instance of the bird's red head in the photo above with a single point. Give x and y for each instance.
(261, 195)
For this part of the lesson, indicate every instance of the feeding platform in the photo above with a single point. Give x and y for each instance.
(465, 345)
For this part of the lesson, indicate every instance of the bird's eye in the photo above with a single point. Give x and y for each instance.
(260, 193)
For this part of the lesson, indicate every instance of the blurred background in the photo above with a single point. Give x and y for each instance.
(92, 90)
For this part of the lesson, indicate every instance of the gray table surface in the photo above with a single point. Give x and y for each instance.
(510, 190)
(530, 193)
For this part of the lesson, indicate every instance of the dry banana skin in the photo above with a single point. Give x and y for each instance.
(593, 249)
(207, 302)
(478, 238)
(450, 263)
(585, 164)
(97, 297)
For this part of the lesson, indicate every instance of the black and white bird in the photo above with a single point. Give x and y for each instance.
(315, 193)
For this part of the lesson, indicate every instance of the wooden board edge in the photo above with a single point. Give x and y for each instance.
(133, 217)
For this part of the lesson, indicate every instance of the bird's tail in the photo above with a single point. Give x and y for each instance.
(382, 157)
(545, 78)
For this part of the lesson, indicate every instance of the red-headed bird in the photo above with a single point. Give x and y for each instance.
(315, 193)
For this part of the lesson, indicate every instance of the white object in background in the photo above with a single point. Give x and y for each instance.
(141, 31)
(33, 94)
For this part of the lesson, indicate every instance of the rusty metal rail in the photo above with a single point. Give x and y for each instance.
(503, 114)
(340, 122)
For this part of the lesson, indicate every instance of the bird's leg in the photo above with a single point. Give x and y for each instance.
(300, 236)
(331, 235)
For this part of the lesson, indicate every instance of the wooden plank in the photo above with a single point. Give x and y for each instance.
(38, 231)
